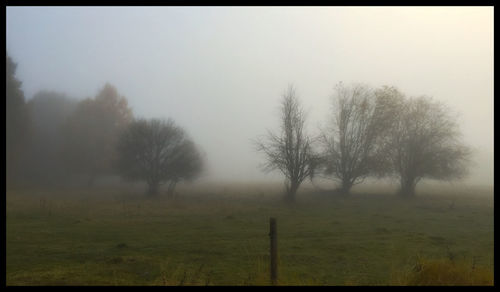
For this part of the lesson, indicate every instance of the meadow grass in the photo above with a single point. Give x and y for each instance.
(219, 236)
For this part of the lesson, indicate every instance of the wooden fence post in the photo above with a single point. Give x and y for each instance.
(274, 251)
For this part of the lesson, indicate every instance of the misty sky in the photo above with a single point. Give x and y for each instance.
(219, 72)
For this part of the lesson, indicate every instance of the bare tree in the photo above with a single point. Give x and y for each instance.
(423, 141)
(351, 144)
(290, 151)
(157, 152)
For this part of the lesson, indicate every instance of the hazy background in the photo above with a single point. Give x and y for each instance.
(219, 72)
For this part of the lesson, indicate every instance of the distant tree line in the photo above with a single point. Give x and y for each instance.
(52, 138)
(370, 133)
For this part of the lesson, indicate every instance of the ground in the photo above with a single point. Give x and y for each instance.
(219, 235)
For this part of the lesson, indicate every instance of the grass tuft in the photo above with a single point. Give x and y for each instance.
(445, 272)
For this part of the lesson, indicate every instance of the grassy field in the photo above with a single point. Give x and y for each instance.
(218, 235)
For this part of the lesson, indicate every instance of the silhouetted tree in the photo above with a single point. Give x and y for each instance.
(351, 144)
(157, 152)
(48, 111)
(424, 142)
(290, 151)
(187, 165)
(17, 122)
(92, 132)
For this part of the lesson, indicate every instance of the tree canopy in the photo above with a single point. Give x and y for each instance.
(16, 120)
(92, 132)
(157, 152)
(425, 142)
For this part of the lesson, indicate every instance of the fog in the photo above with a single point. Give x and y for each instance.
(219, 72)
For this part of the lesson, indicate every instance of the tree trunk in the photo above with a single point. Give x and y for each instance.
(153, 188)
(171, 188)
(91, 180)
(407, 187)
(345, 189)
(291, 190)
(290, 196)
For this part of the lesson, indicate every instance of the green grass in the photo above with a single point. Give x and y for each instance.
(219, 236)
